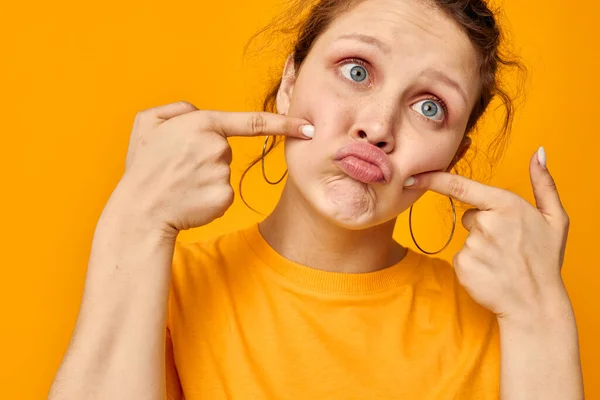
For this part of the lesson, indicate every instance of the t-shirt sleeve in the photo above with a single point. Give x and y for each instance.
(479, 333)
(173, 384)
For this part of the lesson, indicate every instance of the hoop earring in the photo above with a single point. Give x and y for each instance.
(451, 233)
(262, 162)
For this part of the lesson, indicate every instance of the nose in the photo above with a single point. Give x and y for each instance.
(377, 131)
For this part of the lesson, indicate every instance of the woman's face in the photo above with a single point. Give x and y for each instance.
(391, 82)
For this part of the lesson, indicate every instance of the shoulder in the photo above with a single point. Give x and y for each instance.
(207, 265)
(440, 277)
(211, 250)
(203, 274)
(208, 255)
(435, 275)
(471, 332)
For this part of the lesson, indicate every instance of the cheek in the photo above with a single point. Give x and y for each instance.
(318, 100)
(330, 112)
(425, 155)
(333, 117)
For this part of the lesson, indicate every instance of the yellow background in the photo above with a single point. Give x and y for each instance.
(73, 74)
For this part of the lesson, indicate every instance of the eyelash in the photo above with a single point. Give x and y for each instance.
(358, 61)
(431, 97)
(441, 103)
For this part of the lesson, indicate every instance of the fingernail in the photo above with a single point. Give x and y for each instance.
(308, 131)
(541, 154)
(409, 182)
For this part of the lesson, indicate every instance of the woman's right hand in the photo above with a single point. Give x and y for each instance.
(178, 163)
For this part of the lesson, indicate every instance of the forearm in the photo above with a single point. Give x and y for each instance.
(117, 348)
(540, 355)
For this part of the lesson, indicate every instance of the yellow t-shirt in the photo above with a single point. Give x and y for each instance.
(246, 323)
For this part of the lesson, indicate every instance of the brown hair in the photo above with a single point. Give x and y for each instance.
(475, 17)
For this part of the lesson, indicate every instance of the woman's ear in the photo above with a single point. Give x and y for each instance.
(288, 79)
(460, 153)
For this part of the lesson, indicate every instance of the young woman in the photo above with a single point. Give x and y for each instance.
(377, 103)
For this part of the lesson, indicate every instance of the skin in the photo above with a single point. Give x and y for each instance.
(177, 177)
(351, 222)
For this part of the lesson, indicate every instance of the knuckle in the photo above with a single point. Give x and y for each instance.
(490, 222)
(190, 143)
(223, 145)
(206, 119)
(221, 149)
(469, 216)
(470, 242)
(258, 123)
(515, 202)
(223, 172)
(564, 218)
(288, 126)
(228, 195)
(551, 183)
(459, 266)
(459, 259)
(456, 188)
(462, 264)
(187, 105)
(510, 203)
(143, 115)
(226, 155)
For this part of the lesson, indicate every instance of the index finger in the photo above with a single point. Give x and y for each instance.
(259, 123)
(463, 189)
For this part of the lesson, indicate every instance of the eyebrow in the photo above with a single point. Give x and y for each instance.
(438, 75)
(431, 73)
(370, 40)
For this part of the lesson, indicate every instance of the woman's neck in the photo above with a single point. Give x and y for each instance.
(299, 234)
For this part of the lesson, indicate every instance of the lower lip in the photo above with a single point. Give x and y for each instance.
(361, 170)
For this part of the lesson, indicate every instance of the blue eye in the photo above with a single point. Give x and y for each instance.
(430, 109)
(354, 71)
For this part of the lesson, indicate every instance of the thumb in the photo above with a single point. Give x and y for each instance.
(172, 110)
(544, 188)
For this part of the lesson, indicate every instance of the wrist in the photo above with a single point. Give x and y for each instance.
(129, 244)
(555, 311)
(126, 213)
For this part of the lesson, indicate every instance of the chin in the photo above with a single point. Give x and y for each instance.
(348, 203)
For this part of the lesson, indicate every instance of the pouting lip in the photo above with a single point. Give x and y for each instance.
(369, 153)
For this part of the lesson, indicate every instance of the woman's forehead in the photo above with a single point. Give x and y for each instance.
(390, 21)
(418, 14)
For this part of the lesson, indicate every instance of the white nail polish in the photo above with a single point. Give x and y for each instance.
(308, 130)
(409, 182)
(541, 153)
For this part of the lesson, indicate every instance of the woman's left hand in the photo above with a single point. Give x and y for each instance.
(512, 258)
